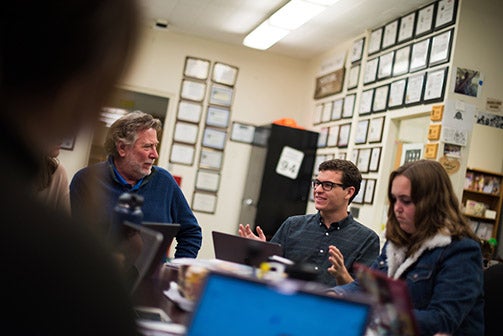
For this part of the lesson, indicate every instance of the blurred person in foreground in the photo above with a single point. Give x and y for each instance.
(430, 246)
(59, 63)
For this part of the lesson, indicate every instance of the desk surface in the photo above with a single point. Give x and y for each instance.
(150, 293)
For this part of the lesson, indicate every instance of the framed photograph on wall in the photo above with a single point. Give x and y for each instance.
(354, 76)
(196, 68)
(344, 131)
(376, 127)
(210, 159)
(207, 180)
(224, 74)
(359, 197)
(369, 191)
(424, 20)
(375, 41)
(193, 90)
(363, 160)
(366, 102)
(221, 95)
(414, 90)
(189, 111)
(348, 107)
(361, 131)
(402, 60)
(406, 27)
(446, 13)
(440, 48)
(397, 93)
(389, 35)
(385, 65)
(214, 138)
(329, 84)
(375, 159)
(204, 202)
(370, 73)
(182, 154)
(380, 102)
(217, 116)
(419, 55)
(337, 109)
(435, 85)
(68, 143)
(357, 50)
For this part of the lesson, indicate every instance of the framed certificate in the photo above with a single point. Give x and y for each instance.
(353, 77)
(375, 40)
(361, 131)
(424, 21)
(390, 34)
(204, 202)
(353, 156)
(185, 132)
(363, 160)
(193, 90)
(419, 55)
(366, 102)
(359, 197)
(375, 159)
(224, 74)
(333, 136)
(326, 113)
(207, 180)
(349, 105)
(318, 109)
(380, 102)
(440, 48)
(357, 50)
(406, 28)
(370, 74)
(402, 59)
(435, 85)
(196, 68)
(397, 93)
(337, 109)
(370, 187)
(189, 111)
(214, 138)
(221, 95)
(414, 90)
(217, 116)
(344, 131)
(182, 154)
(446, 13)
(385, 65)
(242, 132)
(210, 159)
(323, 137)
(376, 127)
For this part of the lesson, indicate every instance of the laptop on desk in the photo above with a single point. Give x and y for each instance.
(242, 250)
(168, 231)
(234, 305)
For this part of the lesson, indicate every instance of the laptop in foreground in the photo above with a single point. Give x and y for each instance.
(242, 250)
(168, 231)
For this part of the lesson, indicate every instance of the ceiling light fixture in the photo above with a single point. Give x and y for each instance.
(288, 18)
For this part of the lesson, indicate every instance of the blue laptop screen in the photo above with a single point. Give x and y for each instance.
(235, 306)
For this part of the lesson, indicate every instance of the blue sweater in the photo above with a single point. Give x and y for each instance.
(163, 201)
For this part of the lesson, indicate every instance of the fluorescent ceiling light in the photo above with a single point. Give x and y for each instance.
(289, 17)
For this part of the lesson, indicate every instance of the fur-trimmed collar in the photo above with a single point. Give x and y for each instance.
(397, 263)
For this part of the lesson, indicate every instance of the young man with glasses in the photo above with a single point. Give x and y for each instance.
(331, 239)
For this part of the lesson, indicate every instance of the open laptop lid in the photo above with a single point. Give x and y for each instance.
(242, 250)
(168, 231)
(234, 305)
(138, 245)
(393, 314)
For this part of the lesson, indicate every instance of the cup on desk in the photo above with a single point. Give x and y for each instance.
(191, 275)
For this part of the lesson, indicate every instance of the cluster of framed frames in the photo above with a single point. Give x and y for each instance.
(205, 98)
(366, 193)
(341, 108)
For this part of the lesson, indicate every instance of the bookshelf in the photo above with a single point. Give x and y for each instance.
(482, 200)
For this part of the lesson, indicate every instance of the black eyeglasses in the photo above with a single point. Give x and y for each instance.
(326, 185)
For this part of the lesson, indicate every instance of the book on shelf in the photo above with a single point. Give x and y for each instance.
(475, 208)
